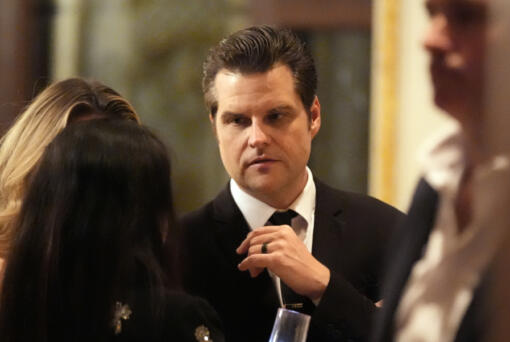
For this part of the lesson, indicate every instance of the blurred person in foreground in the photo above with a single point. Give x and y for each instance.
(21, 147)
(436, 288)
(92, 258)
(306, 246)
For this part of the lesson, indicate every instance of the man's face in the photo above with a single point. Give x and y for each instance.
(264, 133)
(455, 41)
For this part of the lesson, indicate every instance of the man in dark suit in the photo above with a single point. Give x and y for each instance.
(304, 245)
(436, 288)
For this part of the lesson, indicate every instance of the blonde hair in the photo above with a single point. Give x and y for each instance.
(23, 145)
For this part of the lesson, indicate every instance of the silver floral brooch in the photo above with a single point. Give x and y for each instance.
(122, 312)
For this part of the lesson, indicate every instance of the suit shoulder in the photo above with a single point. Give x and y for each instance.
(374, 204)
(358, 203)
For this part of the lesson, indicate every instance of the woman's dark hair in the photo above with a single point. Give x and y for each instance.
(91, 232)
(47, 115)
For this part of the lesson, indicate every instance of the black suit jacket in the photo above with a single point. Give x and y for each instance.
(350, 234)
(407, 248)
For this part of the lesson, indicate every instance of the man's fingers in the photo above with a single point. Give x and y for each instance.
(254, 261)
(266, 238)
(243, 246)
(258, 249)
(257, 236)
(254, 272)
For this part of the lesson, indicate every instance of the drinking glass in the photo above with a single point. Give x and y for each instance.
(290, 326)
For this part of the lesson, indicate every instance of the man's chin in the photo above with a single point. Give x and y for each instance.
(261, 186)
(452, 108)
(445, 101)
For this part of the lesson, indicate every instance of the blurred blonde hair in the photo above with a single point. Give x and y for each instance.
(23, 145)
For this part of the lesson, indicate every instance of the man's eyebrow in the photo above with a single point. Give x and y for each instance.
(428, 7)
(230, 114)
(282, 108)
(432, 6)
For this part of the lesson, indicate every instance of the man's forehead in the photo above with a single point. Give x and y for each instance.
(460, 11)
(277, 79)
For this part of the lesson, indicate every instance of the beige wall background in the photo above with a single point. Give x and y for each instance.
(403, 113)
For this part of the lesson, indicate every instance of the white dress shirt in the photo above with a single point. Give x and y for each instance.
(257, 213)
(441, 284)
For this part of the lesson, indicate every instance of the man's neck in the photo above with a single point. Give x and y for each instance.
(464, 200)
(257, 212)
(475, 143)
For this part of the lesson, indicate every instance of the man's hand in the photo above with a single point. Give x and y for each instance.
(287, 257)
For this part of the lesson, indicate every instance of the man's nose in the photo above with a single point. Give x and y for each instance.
(437, 37)
(258, 136)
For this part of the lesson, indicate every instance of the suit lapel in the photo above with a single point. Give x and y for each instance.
(328, 225)
(231, 229)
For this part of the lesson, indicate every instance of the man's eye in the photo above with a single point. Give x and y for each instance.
(238, 121)
(467, 15)
(274, 117)
(431, 10)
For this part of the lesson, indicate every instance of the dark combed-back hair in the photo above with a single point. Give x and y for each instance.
(91, 231)
(256, 50)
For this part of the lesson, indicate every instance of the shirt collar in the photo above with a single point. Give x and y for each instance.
(443, 158)
(257, 213)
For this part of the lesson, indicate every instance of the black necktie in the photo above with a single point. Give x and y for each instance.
(291, 299)
(282, 217)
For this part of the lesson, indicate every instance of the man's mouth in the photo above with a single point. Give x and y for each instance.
(446, 67)
(261, 160)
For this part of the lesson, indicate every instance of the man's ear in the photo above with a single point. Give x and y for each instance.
(212, 120)
(315, 116)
